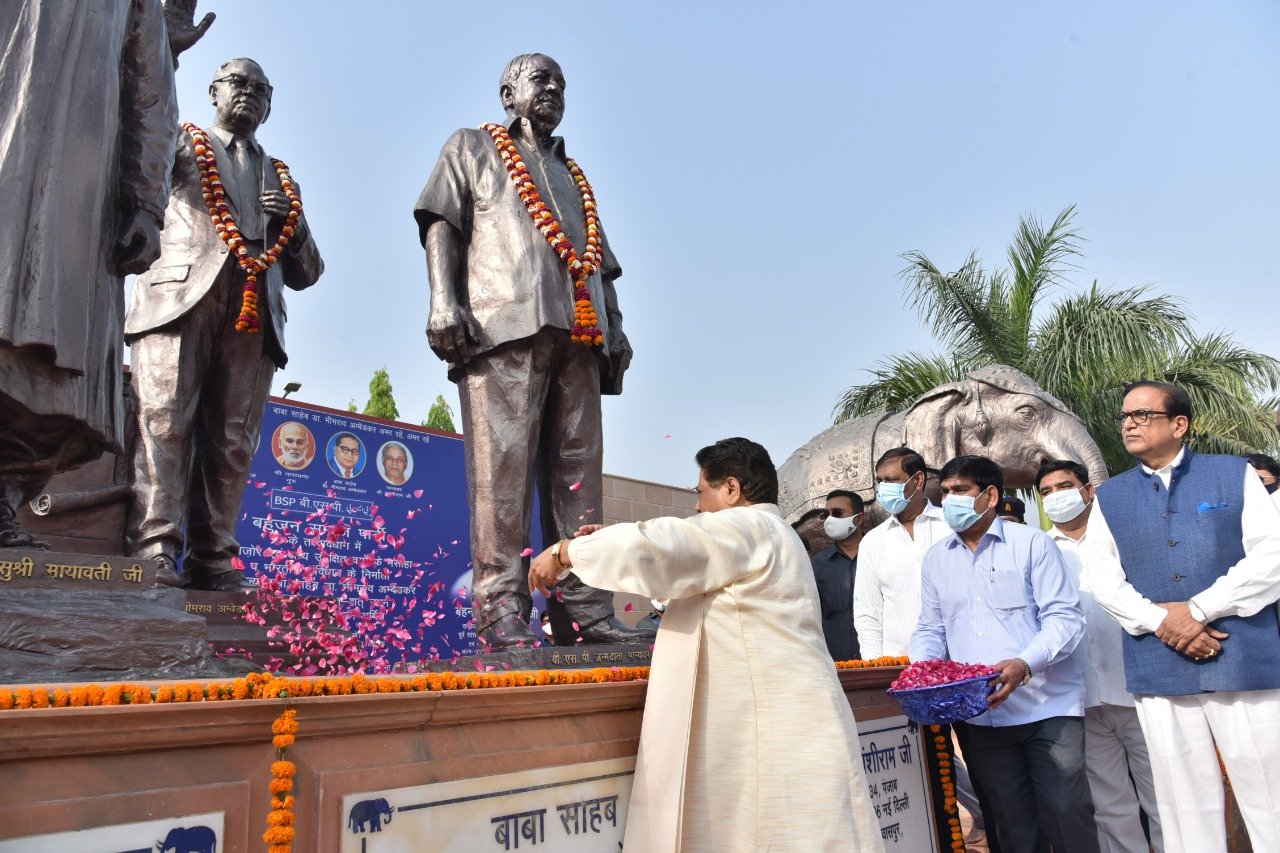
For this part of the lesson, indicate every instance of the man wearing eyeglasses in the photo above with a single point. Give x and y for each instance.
(346, 456)
(1185, 554)
(201, 384)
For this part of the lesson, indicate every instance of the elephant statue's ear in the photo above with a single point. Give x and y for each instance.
(932, 425)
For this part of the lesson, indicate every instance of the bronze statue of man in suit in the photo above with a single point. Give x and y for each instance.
(201, 384)
(502, 311)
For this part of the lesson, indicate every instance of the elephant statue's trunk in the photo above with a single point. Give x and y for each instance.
(1076, 443)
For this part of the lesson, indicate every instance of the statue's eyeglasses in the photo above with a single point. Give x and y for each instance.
(1140, 416)
(244, 84)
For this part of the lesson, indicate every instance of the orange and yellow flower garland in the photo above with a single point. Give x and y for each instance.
(267, 686)
(942, 753)
(866, 664)
(215, 198)
(280, 832)
(586, 323)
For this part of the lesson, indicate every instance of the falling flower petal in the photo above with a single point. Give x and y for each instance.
(575, 486)
(526, 552)
(417, 493)
(628, 608)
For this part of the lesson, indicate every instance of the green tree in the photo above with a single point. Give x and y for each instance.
(440, 416)
(351, 405)
(381, 402)
(1082, 347)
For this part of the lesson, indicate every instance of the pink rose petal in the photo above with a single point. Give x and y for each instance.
(526, 552)
(629, 607)
(575, 487)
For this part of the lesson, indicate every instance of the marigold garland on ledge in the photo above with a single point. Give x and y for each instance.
(586, 323)
(267, 686)
(215, 198)
(867, 664)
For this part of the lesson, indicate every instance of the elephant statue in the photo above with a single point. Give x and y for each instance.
(189, 839)
(370, 813)
(997, 412)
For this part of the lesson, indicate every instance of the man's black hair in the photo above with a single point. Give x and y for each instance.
(912, 462)
(1080, 472)
(1266, 463)
(979, 469)
(854, 498)
(343, 435)
(745, 461)
(1176, 400)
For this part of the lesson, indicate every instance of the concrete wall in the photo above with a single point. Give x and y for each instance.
(626, 499)
(72, 769)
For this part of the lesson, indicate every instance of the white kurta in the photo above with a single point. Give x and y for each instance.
(744, 703)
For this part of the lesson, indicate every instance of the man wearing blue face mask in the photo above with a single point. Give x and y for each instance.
(1001, 594)
(834, 570)
(886, 591)
(1114, 747)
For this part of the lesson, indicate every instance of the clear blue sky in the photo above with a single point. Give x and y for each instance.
(761, 167)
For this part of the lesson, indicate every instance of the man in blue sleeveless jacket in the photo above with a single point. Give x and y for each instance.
(1186, 557)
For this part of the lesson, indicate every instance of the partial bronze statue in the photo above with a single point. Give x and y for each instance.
(206, 330)
(524, 311)
(997, 412)
(88, 110)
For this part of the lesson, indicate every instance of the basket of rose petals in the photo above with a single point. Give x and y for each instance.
(942, 691)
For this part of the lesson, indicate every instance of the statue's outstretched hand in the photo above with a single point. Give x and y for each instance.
(179, 20)
(138, 245)
(451, 332)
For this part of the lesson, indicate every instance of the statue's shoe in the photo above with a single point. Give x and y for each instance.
(612, 631)
(12, 535)
(232, 580)
(166, 570)
(509, 632)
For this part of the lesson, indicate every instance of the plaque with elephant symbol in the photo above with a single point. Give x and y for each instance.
(569, 808)
(201, 833)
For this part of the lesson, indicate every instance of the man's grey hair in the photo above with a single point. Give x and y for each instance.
(517, 66)
(398, 446)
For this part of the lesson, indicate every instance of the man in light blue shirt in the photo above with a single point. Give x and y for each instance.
(1001, 594)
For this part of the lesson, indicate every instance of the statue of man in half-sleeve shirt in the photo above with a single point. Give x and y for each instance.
(503, 317)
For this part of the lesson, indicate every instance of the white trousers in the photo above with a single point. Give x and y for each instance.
(1181, 733)
(1114, 750)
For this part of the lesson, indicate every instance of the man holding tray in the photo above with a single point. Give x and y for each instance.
(1000, 593)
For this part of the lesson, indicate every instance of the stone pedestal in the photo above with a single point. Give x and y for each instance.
(80, 617)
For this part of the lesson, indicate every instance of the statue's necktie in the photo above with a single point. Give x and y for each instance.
(248, 185)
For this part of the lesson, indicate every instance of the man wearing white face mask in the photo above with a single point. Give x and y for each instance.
(834, 570)
(1114, 748)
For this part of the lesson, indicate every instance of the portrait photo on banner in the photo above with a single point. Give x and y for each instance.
(346, 455)
(293, 446)
(395, 463)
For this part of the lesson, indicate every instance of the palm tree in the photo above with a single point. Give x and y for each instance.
(1082, 348)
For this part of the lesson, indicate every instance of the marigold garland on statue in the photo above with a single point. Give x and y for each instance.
(215, 197)
(586, 323)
